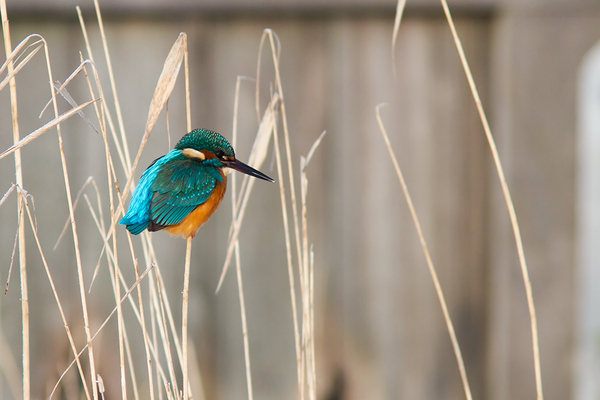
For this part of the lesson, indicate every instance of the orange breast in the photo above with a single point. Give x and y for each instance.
(190, 224)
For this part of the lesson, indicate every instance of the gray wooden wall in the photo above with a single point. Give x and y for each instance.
(380, 329)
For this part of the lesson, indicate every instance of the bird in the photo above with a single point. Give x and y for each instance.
(181, 190)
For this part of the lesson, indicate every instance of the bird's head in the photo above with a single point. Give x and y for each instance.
(213, 149)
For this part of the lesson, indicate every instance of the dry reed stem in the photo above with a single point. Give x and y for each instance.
(188, 102)
(184, 317)
(238, 271)
(121, 331)
(86, 323)
(164, 89)
(162, 92)
(288, 248)
(166, 81)
(507, 199)
(58, 303)
(12, 257)
(171, 321)
(75, 204)
(61, 89)
(131, 301)
(7, 193)
(115, 276)
(136, 393)
(15, 149)
(168, 390)
(149, 350)
(105, 114)
(101, 115)
(45, 128)
(159, 306)
(125, 296)
(99, 112)
(275, 53)
(432, 271)
(312, 314)
(13, 71)
(122, 338)
(117, 288)
(188, 253)
(257, 157)
(142, 320)
(153, 325)
(14, 250)
(397, 20)
(16, 54)
(73, 224)
(275, 56)
(112, 82)
(20, 203)
(238, 268)
(165, 301)
(150, 258)
(307, 272)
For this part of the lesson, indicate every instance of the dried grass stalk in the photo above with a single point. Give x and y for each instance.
(509, 204)
(257, 157)
(432, 271)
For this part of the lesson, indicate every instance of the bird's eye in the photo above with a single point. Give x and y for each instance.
(220, 155)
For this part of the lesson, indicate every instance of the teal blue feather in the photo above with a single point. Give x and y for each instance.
(174, 185)
(203, 139)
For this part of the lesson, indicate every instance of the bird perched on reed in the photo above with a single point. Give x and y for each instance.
(181, 190)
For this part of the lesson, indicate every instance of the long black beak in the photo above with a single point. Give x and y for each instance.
(248, 170)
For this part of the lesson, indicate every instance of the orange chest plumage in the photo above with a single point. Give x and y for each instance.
(190, 224)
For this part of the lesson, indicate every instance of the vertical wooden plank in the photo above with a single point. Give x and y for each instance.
(392, 333)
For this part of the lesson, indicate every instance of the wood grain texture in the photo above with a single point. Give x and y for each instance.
(380, 330)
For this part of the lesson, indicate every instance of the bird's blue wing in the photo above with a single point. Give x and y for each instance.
(170, 188)
(179, 187)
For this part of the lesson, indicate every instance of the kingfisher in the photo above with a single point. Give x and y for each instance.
(181, 190)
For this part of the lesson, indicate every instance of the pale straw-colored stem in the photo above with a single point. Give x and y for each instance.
(286, 139)
(112, 83)
(106, 114)
(125, 296)
(116, 275)
(143, 324)
(19, 181)
(288, 248)
(308, 328)
(45, 128)
(159, 306)
(83, 296)
(507, 199)
(238, 270)
(432, 271)
(58, 303)
(152, 347)
(184, 318)
(238, 267)
(397, 20)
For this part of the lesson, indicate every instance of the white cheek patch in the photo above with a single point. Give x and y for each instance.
(227, 170)
(191, 153)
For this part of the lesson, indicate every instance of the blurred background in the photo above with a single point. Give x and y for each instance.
(380, 333)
